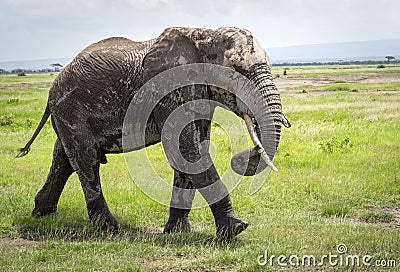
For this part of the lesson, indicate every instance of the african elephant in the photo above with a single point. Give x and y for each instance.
(89, 98)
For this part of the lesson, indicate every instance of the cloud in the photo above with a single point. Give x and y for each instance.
(48, 28)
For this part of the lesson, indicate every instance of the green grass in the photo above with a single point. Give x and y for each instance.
(338, 182)
(354, 87)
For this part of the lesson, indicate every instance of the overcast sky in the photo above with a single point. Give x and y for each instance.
(37, 29)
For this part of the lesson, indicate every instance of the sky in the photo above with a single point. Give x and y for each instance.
(39, 29)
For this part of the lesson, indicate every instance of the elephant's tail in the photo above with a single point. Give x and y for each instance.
(27, 147)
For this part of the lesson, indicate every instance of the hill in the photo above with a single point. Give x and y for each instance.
(365, 50)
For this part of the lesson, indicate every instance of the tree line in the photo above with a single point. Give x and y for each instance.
(56, 68)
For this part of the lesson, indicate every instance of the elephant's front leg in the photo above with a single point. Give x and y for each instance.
(181, 203)
(217, 196)
(183, 190)
(208, 182)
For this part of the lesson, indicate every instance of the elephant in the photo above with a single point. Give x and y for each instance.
(89, 99)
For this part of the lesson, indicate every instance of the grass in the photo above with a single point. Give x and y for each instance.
(352, 87)
(337, 70)
(338, 183)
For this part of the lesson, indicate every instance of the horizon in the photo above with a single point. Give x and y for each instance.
(322, 52)
(277, 62)
(338, 42)
(295, 45)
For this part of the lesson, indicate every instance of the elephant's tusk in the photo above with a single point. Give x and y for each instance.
(257, 142)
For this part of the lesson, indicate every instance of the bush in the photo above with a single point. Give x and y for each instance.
(381, 66)
(13, 101)
(6, 120)
(333, 144)
(337, 87)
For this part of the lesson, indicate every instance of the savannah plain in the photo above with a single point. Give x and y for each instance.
(338, 184)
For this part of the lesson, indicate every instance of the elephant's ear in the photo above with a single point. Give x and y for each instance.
(173, 48)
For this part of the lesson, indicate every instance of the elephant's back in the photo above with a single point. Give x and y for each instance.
(119, 49)
(105, 62)
(99, 81)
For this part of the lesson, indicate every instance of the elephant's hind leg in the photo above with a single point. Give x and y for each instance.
(85, 158)
(97, 207)
(47, 198)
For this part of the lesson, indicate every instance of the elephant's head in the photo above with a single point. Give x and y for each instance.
(237, 49)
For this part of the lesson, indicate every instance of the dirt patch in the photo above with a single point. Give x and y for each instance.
(317, 92)
(374, 80)
(396, 212)
(286, 85)
(16, 243)
(386, 216)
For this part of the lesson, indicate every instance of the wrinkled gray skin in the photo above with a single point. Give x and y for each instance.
(89, 98)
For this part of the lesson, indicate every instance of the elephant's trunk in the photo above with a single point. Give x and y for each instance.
(262, 78)
(257, 142)
(266, 128)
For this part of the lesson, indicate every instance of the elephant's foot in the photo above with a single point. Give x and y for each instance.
(230, 226)
(227, 222)
(179, 226)
(178, 221)
(43, 211)
(105, 221)
(100, 215)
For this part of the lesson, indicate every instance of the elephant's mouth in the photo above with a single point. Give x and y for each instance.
(254, 160)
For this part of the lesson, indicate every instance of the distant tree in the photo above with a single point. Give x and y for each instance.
(56, 66)
(2, 71)
(16, 71)
(389, 58)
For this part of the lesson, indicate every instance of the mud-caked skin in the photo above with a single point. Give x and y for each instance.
(90, 97)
